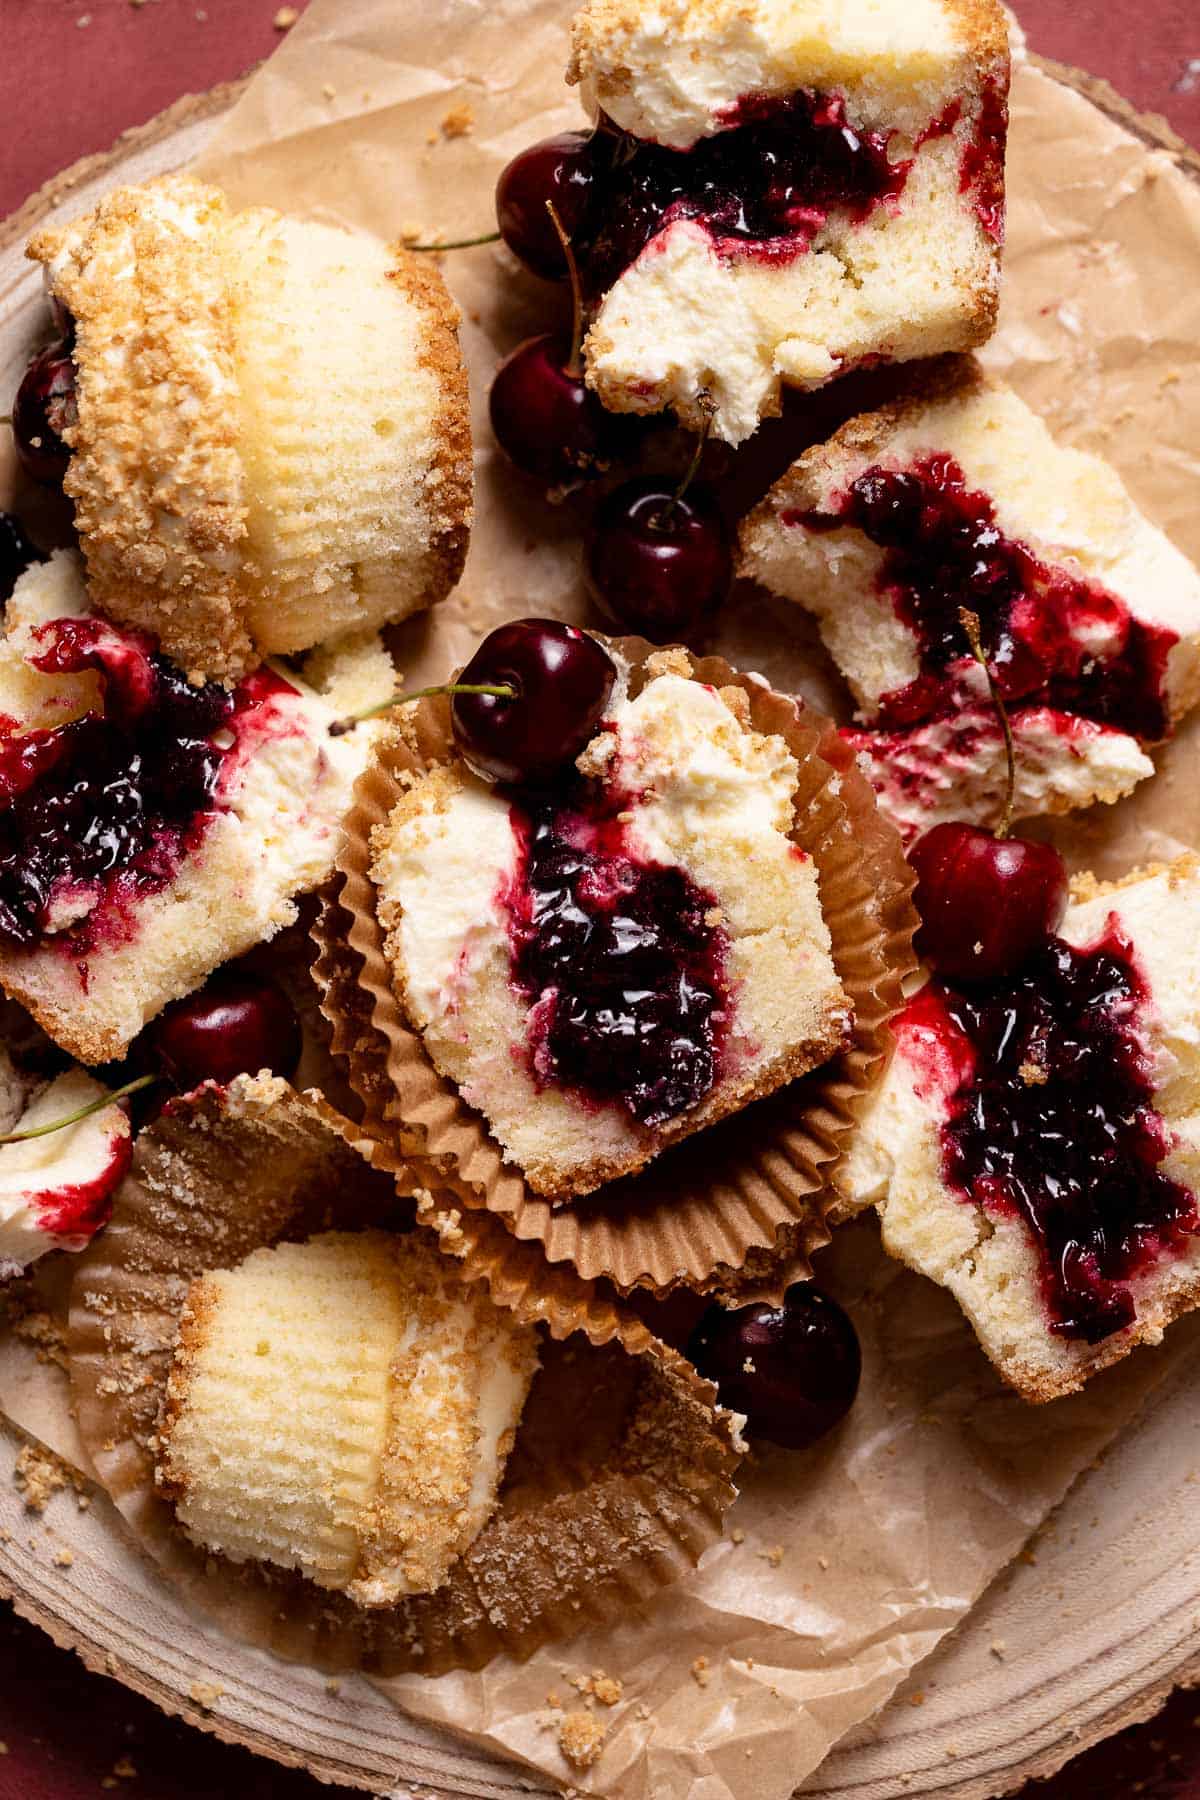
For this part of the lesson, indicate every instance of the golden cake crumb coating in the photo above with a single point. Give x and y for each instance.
(343, 1407)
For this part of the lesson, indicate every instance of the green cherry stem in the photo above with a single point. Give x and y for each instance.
(502, 691)
(84, 1112)
(970, 624)
(491, 237)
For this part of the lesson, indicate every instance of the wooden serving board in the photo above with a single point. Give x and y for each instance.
(1088, 1632)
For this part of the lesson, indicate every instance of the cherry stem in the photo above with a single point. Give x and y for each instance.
(491, 237)
(970, 624)
(84, 1112)
(704, 401)
(573, 364)
(502, 691)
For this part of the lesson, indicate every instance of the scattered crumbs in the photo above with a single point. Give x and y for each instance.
(1029, 1556)
(916, 1699)
(205, 1694)
(737, 1535)
(458, 122)
(63, 1558)
(643, 1711)
(285, 18)
(82, 1500)
(822, 1562)
(124, 1769)
(999, 1648)
(329, 91)
(952, 1751)
(714, 916)
(598, 1686)
(39, 1474)
(774, 1555)
(748, 1366)
(1033, 1074)
(333, 1686)
(581, 1738)
(701, 1671)
(412, 233)
(554, 1700)
(262, 1348)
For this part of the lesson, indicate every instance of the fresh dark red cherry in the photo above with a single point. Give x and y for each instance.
(563, 679)
(986, 902)
(236, 1024)
(43, 409)
(558, 169)
(792, 1369)
(656, 563)
(16, 554)
(545, 418)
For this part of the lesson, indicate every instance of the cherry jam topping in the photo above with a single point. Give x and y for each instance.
(1054, 639)
(103, 808)
(618, 958)
(768, 181)
(1051, 1117)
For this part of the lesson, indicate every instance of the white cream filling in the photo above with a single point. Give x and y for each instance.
(36, 1173)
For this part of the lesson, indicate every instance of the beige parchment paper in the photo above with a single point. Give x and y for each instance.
(845, 1565)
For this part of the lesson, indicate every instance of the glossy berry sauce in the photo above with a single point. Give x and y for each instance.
(1049, 1115)
(1054, 639)
(624, 972)
(764, 186)
(102, 809)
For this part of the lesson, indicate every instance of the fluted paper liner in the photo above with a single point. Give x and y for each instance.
(730, 1202)
(622, 1465)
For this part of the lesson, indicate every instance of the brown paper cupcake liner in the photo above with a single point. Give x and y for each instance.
(618, 1480)
(723, 1207)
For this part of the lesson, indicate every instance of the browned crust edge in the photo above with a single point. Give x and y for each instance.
(451, 480)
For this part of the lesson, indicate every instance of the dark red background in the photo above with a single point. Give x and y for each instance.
(73, 74)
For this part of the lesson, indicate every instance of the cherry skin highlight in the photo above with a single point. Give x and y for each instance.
(658, 564)
(236, 1024)
(558, 169)
(545, 418)
(986, 903)
(43, 409)
(792, 1369)
(16, 554)
(563, 679)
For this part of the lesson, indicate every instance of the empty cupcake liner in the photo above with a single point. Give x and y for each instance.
(622, 1466)
(726, 1208)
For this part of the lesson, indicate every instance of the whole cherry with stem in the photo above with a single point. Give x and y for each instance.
(238, 1023)
(544, 416)
(659, 560)
(987, 900)
(558, 171)
(527, 702)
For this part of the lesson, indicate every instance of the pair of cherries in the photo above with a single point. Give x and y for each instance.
(658, 558)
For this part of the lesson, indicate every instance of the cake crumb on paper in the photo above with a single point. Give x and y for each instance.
(701, 1673)
(598, 1686)
(63, 1558)
(205, 1694)
(581, 1738)
(333, 1686)
(999, 1648)
(737, 1535)
(39, 1475)
(774, 1555)
(458, 122)
(285, 18)
(916, 1699)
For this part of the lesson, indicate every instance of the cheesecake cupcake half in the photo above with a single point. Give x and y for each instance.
(271, 444)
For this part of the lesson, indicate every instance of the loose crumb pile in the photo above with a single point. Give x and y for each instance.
(39, 1475)
(581, 1738)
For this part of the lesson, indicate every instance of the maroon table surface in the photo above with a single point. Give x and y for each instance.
(73, 75)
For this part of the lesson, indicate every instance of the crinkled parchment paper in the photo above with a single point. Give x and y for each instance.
(852, 1561)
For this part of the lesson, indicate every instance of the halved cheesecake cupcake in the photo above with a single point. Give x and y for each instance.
(151, 829)
(344, 1407)
(609, 963)
(271, 443)
(1035, 1146)
(956, 496)
(783, 192)
(56, 1189)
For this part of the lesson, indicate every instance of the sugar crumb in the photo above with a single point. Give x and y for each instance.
(701, 1672)
(581, 1738)
(737, 1535)
(63, 1558)
(39, 1475)
(285, 18)
(774, 1555)
(205, 1694)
